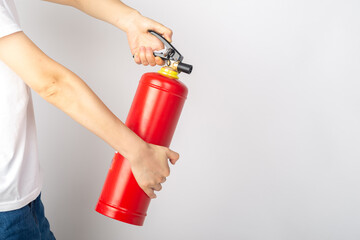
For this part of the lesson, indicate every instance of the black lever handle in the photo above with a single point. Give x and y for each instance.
(171, 52)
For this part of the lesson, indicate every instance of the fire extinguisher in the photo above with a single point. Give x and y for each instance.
(153, 116)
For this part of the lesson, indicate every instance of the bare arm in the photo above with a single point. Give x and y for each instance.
(112, 11)
(142, 44)
(68, 92)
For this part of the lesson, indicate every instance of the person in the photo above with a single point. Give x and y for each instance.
(24, 65)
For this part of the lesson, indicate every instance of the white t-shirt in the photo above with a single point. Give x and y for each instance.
(20, 179)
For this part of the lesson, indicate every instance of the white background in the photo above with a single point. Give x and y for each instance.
(269, 136)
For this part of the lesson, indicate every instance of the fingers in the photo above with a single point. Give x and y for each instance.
(154, 173)
(150, 192)
(150, 56)
(168, 35)
(164, 31)
(173, 156)
(146, 57)
(154, 186)
(150, 189)
(137, 58)
(157, 187)
(142, 55)
(163, 180)
(159, 61)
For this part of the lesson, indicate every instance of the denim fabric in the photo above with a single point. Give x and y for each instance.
(26, 223)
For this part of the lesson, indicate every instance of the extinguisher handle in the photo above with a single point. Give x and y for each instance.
(170, 53)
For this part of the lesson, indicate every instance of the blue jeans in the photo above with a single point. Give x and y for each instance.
(26, 223)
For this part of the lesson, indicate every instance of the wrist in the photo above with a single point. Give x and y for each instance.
(137, 150)
(127, 19)
(129, 144)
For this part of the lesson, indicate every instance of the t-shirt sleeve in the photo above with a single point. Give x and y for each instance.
(8, 24)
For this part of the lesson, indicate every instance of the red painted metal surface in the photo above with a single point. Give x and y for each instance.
(154, 114)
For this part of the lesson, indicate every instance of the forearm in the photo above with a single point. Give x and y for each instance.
(142, 44)
(112, 11)
(71, 95)
(68, 92)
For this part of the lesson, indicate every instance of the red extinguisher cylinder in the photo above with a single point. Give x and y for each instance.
(153, 116)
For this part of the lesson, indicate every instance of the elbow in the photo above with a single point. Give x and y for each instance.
(51, 88)
(60, 90)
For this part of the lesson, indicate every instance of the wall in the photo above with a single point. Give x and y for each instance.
(269, 136)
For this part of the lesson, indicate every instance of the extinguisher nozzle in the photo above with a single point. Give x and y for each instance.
(183, 67)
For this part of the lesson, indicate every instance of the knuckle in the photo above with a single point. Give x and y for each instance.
(151, 59)
(143, 186)
(152, 183)
(147, 184)
(152, 62)
(168, 150)
(160, 63)
(151, 194)
(158, 46)
(167, 172)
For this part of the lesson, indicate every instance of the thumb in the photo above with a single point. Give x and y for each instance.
(173, 156)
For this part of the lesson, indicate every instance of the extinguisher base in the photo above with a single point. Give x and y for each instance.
(120, 214)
